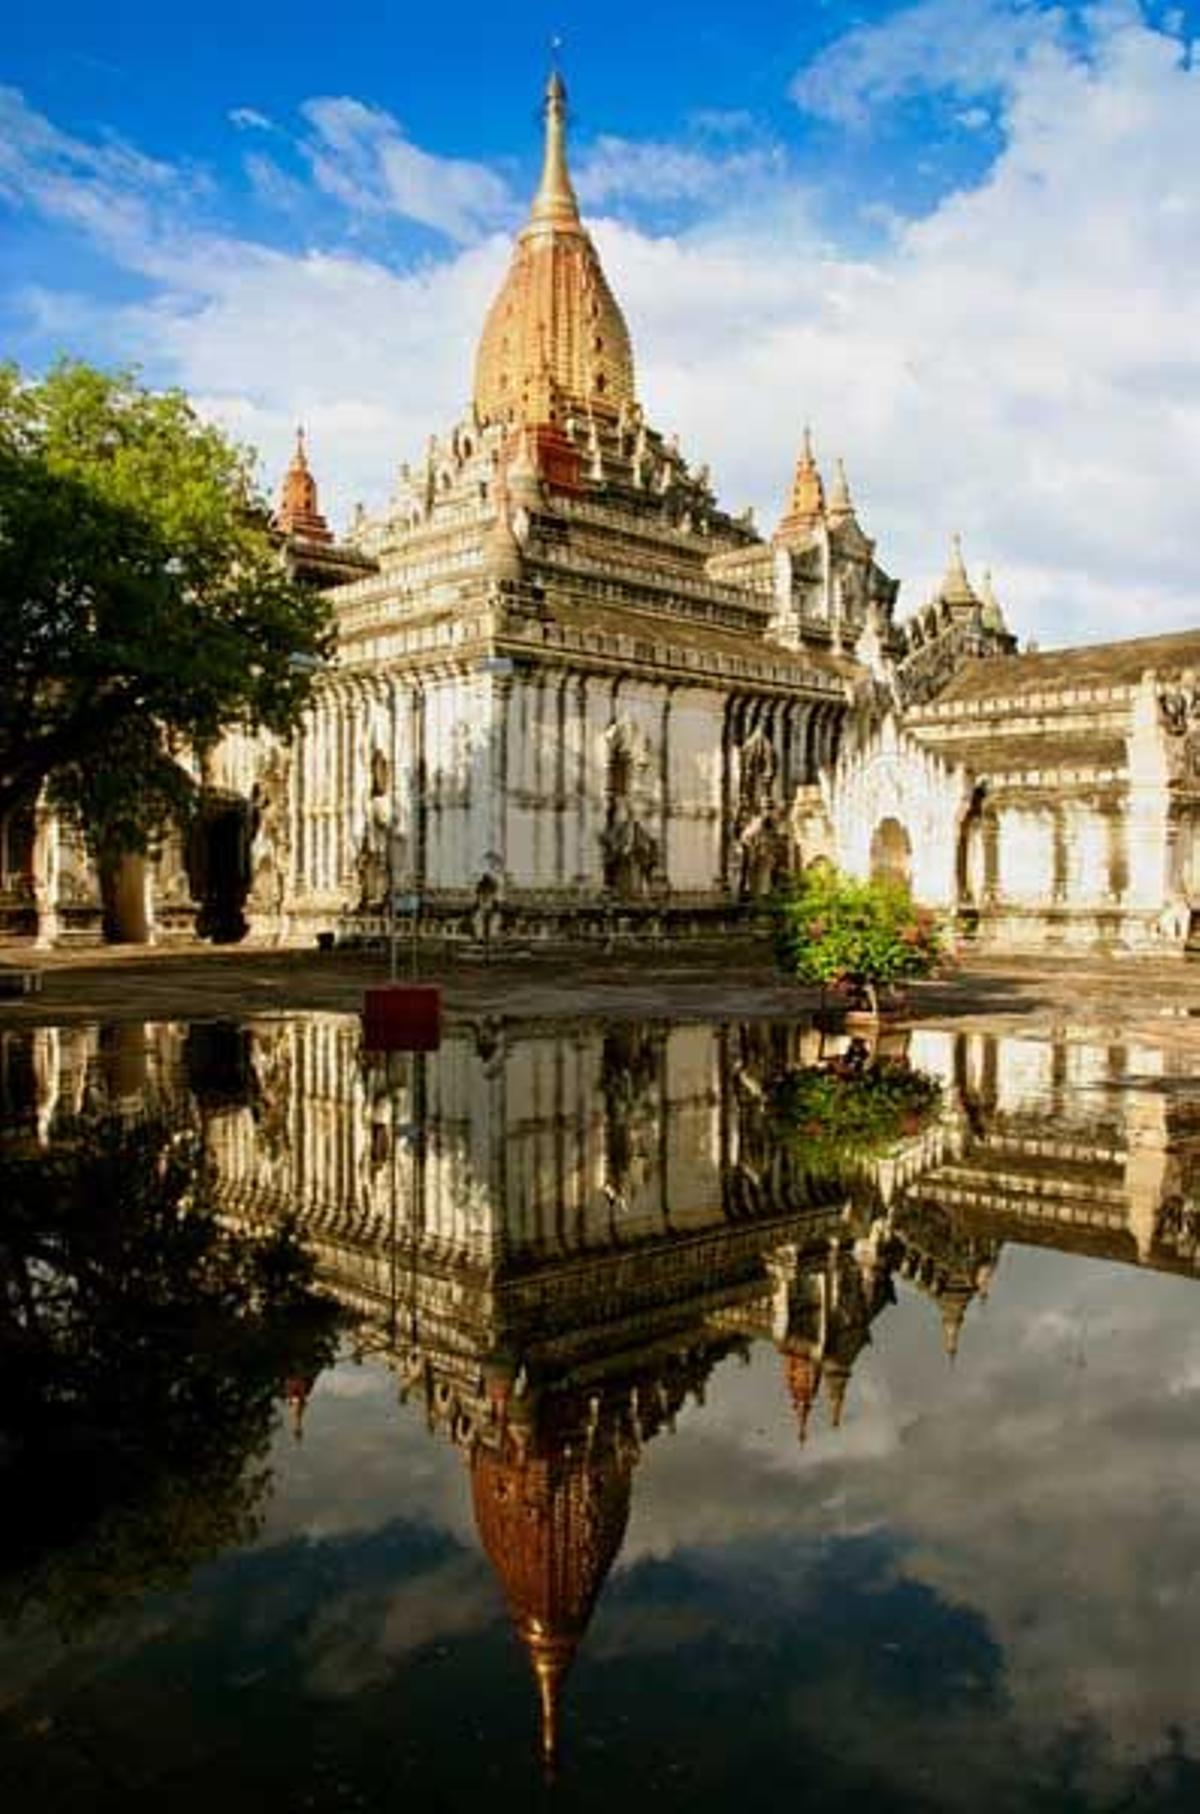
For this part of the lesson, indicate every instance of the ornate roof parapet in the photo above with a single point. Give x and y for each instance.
(825, 581)
(955, 626)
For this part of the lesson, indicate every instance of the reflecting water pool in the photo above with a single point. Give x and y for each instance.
(707, 1414)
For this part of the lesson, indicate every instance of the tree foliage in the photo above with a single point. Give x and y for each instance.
(144, 608)
(143, 1350)
(834, 930)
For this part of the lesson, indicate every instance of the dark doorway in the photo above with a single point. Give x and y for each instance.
(219, 867)
(123, 899)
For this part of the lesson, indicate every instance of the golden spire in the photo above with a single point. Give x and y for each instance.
(555, 202)
(554, 339)
(806, 506)
(956, 588)
(551, 1658)
(802, 1371)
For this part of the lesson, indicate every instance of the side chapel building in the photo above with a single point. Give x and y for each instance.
(575, 697)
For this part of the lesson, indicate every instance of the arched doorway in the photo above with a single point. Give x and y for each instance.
(891, 854)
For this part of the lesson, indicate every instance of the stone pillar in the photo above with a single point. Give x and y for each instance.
(561, 789)
(1146, 1162)
(1059, 878)
(1146, 808)
(664, 756)
(735, 730)
(45, 875)
(418, 810)
(496, 856)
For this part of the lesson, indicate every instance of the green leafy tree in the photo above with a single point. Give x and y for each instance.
(834, 931)
(144, 607)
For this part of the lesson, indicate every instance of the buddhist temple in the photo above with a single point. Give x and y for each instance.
(576, 699)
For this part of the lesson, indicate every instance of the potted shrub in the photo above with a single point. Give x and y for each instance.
(856, 936)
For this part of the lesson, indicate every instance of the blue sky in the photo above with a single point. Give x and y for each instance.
(961, 236)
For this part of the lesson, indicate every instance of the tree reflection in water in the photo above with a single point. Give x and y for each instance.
(853, 1108)
(143, 1348)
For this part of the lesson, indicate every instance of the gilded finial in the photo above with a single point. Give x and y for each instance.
(953, 1309)
(555, 201)
(550, 1665)
(301, 455)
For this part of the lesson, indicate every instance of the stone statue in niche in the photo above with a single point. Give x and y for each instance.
(269, 841)
(380, 850)
(629, 1071)
(630, 853)
(487, 914)
(764, 849)
(1179, 707)
(763, 845)
(271, 1098)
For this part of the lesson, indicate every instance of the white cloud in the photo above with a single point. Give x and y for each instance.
(649, 172)
(249, 119)
(273, 185)
(964, 47)
(360, 156)
(1021, 364)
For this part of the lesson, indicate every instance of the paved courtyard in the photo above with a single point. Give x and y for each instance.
(1138, 1000)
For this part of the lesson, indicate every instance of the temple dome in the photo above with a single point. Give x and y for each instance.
(554, 338)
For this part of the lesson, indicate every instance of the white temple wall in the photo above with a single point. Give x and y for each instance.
(1085, 839)
(536, 767)
(1025, 854)
(1023, 1075)
(692, 1089)
(693, 853)
(458, 725)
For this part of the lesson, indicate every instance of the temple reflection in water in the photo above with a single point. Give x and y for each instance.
(554, 1232)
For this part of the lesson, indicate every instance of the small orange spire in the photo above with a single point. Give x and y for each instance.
(802, 1373)
(299, 513)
